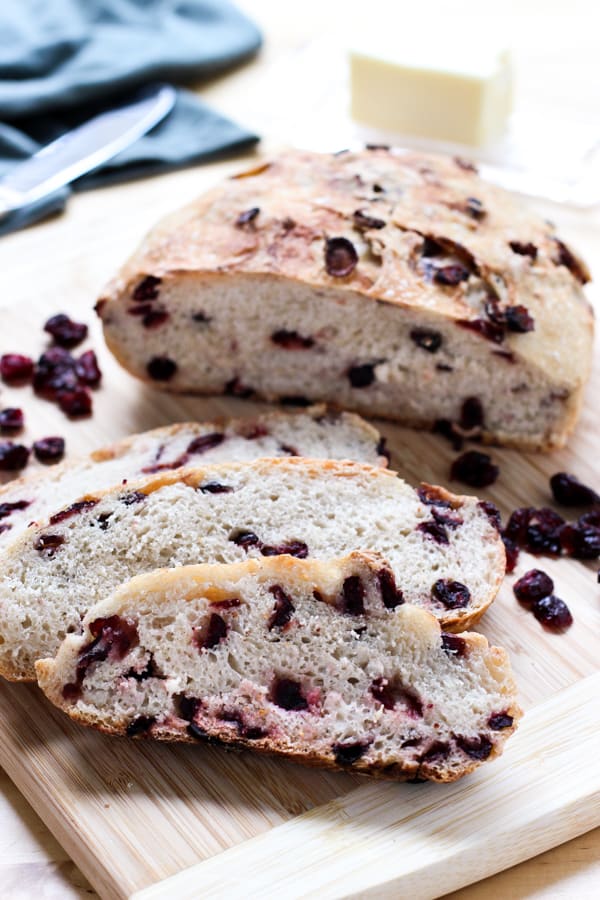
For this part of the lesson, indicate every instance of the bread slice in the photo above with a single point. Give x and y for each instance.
(393, 283)
(445, 549)
(315, 432)
(313, 660)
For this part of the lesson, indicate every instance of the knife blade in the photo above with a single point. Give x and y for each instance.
(84, 148)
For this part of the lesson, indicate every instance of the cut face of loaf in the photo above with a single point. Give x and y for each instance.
(448, 554)
(315, 432)
(389, 283)
(309, 659)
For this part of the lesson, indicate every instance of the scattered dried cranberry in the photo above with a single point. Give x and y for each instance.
(287, 694)
(364, 222)
(518, 319)
(498, 721)
(475, 469)
(476, 747)
(471, 414)
(54, 372)
(73, 510)
(215, 487)
(512, 554)
(210, 633)
(15, 368)
(65, 331)
(353, 596)
(48, 544)
(543, 532)
(361, 376)
(49, 449)
(434, 530)
(75, 403)
(451, 275)
(575, 266)
(87, 369)
(454, 645)
(427, 339)
(11, 420)
(13, 456)
(528, 249)
(7, 509)
(391, 595)
(291, 340)
(246, 539)
(205, 442)
(246, 217)
(346, 754)
(533, 586)
(553, 613)
(580, 541)
(292, 548)
(147, 289)
(341, 257)
(283, 609)
(488, 330)
(161, 368)
(569, 491)
(452, 594)
(492, 512)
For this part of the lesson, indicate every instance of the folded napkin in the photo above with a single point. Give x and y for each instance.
(63, 61)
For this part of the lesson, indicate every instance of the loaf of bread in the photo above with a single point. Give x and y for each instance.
(315, 432)
(318, 661)
(446, 551)
(395, 284)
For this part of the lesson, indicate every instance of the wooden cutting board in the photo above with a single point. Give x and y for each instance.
(234, 825)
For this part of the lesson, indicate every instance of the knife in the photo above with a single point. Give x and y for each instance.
(84, 148)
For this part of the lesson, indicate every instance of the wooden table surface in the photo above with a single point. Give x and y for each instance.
(294, 92)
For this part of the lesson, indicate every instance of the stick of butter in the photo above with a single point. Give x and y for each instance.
(443, 90)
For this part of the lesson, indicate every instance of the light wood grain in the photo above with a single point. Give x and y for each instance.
(418, 841)
(131, 816)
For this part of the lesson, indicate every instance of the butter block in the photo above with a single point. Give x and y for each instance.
(440, 90)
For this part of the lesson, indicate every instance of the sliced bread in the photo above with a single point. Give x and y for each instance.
(446, 551)
(313, 660)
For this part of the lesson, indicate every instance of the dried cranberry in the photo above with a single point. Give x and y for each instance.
(7, 509)
(427, 339)
(246, 217)
(245, 539)
(519, 319)
(75, 403)
(543, 532)
(55, 373)
(532, 586)
(211, 632)
(13, 456)
(140, 725)
(291, 340)
(475, 469)
(569, 491)
(575, 266)
(498, 721)
(488, 330)
(283, 610)
(11, 420)
(553, 613)
(113, 636)
(391, 595)
(87, 369)
(289, 450)
(361, 376)
(436, 750)
(447, 518)
(347, 753)
(147, 289)
(340, 257)
(475, 208)
(364, 222)
(452, 594)
(580, 541)
(434, 530)
(353, 596)
(65, 331)
(391, 693)
(49, 449)
(48, 544)
(16, 368)
(215, 487)
(476, 747)
(492, 512)
(471, 414)
(161, 368)
(451, 275)
(516, 527)
(287, 694)
(74, 509)
(453, 645)
(292, 548)
(512, 554)
(522, 249)
(205, 442)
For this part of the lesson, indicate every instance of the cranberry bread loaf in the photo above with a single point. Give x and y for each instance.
(445, 548)
(319, 661)
(395, 284)
(313, 433)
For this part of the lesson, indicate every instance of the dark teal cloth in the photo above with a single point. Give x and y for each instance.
(62, 61)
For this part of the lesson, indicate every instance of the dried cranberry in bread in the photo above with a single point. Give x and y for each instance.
(392, 283)
(446, 550)
(314, 432)
(317, 661)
